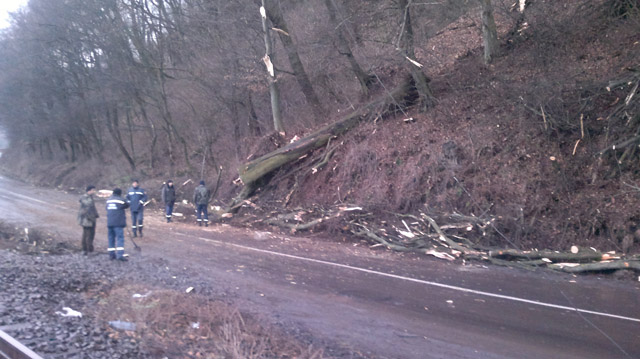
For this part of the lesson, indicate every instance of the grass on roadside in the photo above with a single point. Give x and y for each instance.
(179, 324)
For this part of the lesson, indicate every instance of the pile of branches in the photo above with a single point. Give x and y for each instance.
(449, 239)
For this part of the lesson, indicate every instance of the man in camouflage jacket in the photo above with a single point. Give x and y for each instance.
(87, 217)
(201, 197)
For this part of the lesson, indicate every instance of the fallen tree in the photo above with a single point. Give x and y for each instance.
(255, 171)
(452, 239)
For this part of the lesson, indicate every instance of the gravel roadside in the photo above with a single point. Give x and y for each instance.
(171, 321)
(34, 288)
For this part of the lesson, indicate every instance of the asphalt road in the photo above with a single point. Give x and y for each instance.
(379, 303)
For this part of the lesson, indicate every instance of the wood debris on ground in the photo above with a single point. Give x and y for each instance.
(448, 237)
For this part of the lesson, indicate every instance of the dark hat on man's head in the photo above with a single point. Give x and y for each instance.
(134, 180)
(169, 181)
(202, 182)
(89, 188)
(117, 191)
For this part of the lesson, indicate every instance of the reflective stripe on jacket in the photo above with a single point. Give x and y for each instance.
(136, 197)
(116, 217)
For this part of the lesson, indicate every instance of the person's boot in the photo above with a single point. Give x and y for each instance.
(140, 230)
(135, 232)
(200, 223)
(206, 224)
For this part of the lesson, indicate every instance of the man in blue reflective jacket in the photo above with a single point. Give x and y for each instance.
(137, 198)
(116, 221)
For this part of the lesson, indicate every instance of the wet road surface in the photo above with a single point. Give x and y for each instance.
(379, 303)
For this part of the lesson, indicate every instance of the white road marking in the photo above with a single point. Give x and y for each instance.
(425, 282)
(395, 276)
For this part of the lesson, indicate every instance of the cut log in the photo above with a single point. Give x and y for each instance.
(295, 227)
(364, 232)
(254, 171)
(583, 256)
(597, 267)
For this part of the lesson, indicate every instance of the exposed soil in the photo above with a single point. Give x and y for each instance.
(487, 149)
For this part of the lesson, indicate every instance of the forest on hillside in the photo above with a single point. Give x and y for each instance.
(511, 123)
(168, 82)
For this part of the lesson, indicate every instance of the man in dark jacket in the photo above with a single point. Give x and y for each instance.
(169, 198)
(87, 217)
(201, 200)
(137, 198)
(116, 221)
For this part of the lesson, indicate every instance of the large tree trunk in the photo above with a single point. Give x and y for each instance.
(252, 172)
(273, 86)
(489, 31)
(344, 49)
(276, 18)
(406, 48)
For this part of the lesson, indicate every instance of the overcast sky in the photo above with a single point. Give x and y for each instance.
(7, 6)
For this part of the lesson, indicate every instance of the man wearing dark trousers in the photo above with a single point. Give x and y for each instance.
(137, 198)
(201, 200)
(87, 217)
(169, 198)
(116, 221)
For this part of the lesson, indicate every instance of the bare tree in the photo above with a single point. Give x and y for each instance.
(405, 47)
(343, 46)
(274, 14)
(273, 86)
(489, 31)
(113, 120)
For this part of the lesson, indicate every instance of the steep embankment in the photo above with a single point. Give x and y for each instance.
(519, 140)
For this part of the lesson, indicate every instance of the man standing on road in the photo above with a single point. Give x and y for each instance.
(87, 217)
(201, 200)
(169, 198)
(137, 198)
(116, 221)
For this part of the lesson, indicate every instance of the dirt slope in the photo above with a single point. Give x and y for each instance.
(487, 148)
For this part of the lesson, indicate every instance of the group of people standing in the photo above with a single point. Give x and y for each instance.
(135, 199)
(201, 197)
